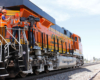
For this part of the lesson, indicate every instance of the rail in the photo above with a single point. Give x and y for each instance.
(7, 45)
(1, 51)
(34, 33)
(20, 46)
(13, 36)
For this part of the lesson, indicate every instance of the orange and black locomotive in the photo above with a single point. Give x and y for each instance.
(31, 41)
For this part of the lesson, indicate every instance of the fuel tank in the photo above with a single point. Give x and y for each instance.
(65, 62)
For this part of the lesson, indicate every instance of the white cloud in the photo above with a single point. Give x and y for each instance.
(58, 15)
(62, 10)
(61, 16)
(88, 6)
(52, 10)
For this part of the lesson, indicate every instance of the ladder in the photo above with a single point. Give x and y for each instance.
(3, 72)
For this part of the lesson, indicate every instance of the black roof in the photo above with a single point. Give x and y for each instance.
(61, 30)
(58, 28)
(28, 4)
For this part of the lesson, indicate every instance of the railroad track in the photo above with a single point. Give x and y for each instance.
(41, 75)
(94, 76)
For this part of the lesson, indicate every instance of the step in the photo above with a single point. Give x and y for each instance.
(20, 60)
(21, 65)
(2, 68)
(27, 72)
(4, 75)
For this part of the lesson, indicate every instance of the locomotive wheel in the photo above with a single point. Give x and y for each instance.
(13, 73)
(22, 75)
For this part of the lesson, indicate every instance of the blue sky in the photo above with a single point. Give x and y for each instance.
(81, 17)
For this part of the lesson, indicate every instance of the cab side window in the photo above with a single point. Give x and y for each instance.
(65, 32)
(75, 38)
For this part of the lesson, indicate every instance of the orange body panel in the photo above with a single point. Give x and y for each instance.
(43, 27)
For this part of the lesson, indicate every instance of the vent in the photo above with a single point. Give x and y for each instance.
(26, 13)
(46, 23)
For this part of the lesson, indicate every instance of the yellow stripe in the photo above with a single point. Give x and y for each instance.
(12, 12)
(59, 33)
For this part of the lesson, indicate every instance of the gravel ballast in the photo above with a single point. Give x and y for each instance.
(80, 74)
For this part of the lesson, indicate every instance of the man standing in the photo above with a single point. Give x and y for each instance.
(4, 21)
(26, 26)
(32, 36)
(15, 26)
(3, 26)
(23, 29)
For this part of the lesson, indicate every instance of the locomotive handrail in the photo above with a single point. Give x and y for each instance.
(13, 37)
(20, 50)
(27, 30)
(1, 51)
(3, 38)
(6, 43)
(20, 44)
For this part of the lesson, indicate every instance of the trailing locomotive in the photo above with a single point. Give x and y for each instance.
(57, 47)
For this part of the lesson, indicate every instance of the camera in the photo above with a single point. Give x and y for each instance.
(31, 19)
